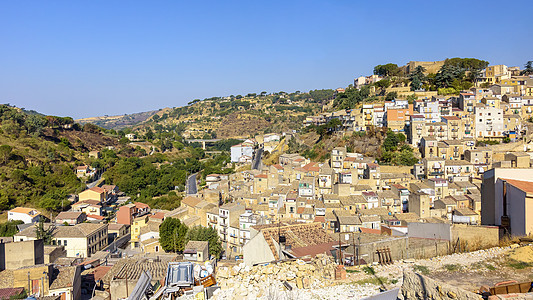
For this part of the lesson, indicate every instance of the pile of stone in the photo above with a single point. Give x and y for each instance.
(286, 280)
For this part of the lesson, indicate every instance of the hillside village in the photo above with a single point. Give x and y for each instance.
(282, 215)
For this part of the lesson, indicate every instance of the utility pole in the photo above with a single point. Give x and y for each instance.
(340, 249)
(358, 248)
(279, 235)
(353, 242)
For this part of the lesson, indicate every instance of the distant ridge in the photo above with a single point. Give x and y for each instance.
(120, 121)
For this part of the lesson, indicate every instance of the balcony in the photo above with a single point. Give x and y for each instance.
(436, 173)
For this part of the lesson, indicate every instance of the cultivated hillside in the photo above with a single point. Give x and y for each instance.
(118, 122)
(239, 116)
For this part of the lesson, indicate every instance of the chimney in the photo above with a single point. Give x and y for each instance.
(505, 220)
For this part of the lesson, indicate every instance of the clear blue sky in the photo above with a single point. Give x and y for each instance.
(91, 58)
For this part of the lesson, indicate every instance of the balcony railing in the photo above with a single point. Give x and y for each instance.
(436, 173)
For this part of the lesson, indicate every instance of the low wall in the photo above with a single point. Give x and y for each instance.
(476, 236)
(440, 231)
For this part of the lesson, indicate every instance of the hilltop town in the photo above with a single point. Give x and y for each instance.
(405, 178)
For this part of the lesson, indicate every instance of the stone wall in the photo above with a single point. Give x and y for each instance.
(416, 286)
(256, 280)
(476, 236)
(54, 252)
(21, 254)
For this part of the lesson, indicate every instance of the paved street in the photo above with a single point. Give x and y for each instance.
(191, 187)
(256, 163)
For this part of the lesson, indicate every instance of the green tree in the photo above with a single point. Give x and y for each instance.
(386, 70)
(172, 234)
(391, 141)
(391, 96)
(528, 68)
(9, 228)
(417, 78)
(384, 83)
(5, 153)
(200, 233)
(44, 232)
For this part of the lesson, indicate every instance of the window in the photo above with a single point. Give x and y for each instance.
(59, 242)
(65, 242)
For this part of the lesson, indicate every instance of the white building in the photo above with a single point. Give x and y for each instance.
(24, 214)
(81, 240)
(489, 122)
(379, 116)
(241, 150)
(430, 110)
(271, 137)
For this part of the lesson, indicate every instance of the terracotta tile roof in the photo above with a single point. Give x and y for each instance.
(450, 118)
(100, 271)
(158, 215)
(465, 212)
(97, 189)
(197, 245)
(296, 235)
(313, 250)
(89, 202)
(191, 201)
(370, 230)
(114, 226)
(525, 186)
(96, 217)
(69, 215)
(320, 219)
(278, 166)
(311, 167)
(141, 205)
(25, 210)
(76, 231)
(65, 278)
(261, 176)
(8, 293)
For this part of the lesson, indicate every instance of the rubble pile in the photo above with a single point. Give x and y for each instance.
(289, 279)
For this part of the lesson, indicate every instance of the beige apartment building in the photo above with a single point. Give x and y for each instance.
(81, 240)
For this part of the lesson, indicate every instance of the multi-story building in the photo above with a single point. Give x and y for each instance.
(246, 221)
(420, 203)
(136, 226)
(81, 240)
(454, 126)
(467, 101)
(228, 215)
(479, 156)
(491, 101)
(337, 158)
(429, 109)
(368, 115)
(416, 129)
(242, 152)
(489, 122)
(379, 116)
(397, 117)
(306, 187)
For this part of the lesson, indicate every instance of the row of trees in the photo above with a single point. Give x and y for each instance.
(174, 235)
